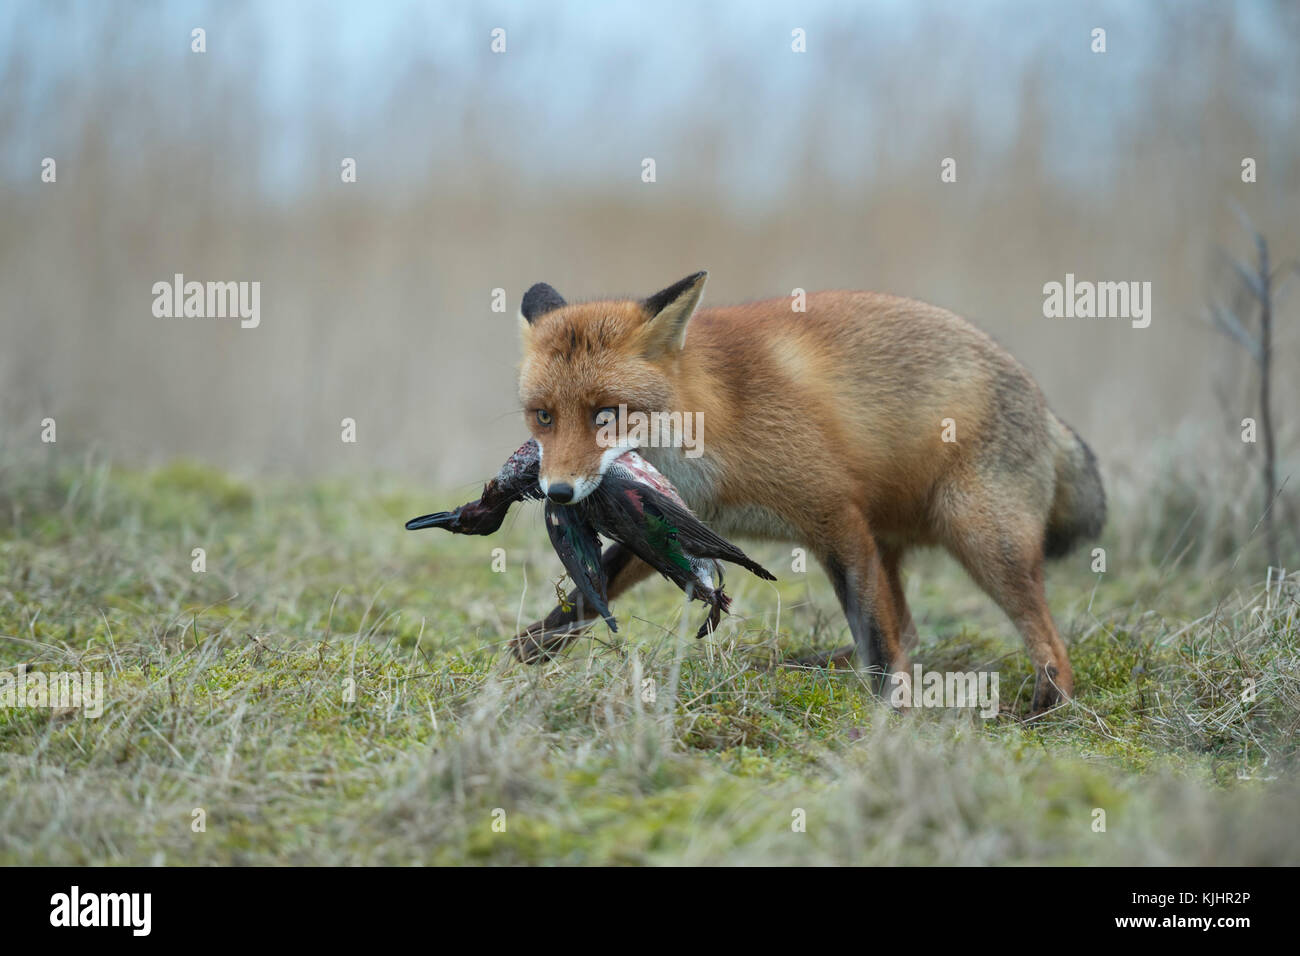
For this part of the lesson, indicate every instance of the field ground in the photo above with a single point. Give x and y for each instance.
(227, 693)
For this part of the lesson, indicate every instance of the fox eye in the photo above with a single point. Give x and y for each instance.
(606, 416)
(544, 417)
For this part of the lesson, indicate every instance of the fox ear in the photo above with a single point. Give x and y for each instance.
(539, 300)
(669, 311)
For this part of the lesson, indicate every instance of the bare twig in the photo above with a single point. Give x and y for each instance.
(1259, 282)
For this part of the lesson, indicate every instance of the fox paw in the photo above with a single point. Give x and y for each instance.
(1049, 691)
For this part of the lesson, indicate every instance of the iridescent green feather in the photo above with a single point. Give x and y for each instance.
(663, 539)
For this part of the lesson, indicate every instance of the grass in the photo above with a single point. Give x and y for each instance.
(333, 690)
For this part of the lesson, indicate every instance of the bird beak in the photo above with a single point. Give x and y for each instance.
(436, 520)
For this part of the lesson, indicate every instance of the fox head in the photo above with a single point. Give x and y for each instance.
(586, 361)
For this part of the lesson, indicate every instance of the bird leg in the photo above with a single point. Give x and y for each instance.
(543, 639)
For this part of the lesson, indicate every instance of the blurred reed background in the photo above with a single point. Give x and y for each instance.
(479, 170)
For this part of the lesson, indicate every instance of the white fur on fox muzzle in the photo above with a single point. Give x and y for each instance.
(583, 487)
(612, 454)
(542, 481)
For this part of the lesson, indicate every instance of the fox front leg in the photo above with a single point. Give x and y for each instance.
(891, 564)
(854, 564)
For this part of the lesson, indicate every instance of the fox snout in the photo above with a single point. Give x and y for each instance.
(561, 492)
(569, 489)
(568, 482)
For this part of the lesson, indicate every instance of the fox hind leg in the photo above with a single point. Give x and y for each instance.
(1002, 550)
(1020, 593)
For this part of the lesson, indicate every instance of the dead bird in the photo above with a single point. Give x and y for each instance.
(635, 505)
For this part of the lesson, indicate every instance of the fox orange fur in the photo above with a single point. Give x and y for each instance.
(824, 428)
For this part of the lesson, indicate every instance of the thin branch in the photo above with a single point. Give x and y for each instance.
(1249, 277)
(1231, 326)
(1246, 224)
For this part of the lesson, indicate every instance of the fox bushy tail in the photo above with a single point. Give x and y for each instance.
(1079, 506)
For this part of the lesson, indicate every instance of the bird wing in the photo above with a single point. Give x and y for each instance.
(694, 536)
(616, 509)
(657, 495)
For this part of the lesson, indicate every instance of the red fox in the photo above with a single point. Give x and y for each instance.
(859, 428)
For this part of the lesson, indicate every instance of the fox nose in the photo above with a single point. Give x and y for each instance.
(560, 492)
